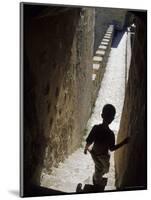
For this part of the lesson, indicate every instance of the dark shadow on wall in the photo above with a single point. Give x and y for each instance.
(40, 66)
(117, 38)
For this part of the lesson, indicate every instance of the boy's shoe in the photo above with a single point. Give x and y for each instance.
(100, 187)
(79, 188)
(104, 181)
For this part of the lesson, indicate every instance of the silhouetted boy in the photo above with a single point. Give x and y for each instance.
(103, 140)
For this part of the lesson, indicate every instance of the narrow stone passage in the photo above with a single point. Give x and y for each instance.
(78, 168)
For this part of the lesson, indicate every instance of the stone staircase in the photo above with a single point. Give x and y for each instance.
(100, 59)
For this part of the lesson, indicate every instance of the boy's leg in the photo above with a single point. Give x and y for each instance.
(101, 167)
(98, 173)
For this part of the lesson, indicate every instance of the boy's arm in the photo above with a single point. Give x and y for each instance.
(117, 146)
(90, 139)
(86, 148)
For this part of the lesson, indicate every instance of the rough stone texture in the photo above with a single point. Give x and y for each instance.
(103, 18)
(57, 84)
(130, 160)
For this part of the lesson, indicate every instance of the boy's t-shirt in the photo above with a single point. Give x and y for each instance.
(103, 139)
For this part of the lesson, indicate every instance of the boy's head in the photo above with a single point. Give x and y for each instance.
(108, 113)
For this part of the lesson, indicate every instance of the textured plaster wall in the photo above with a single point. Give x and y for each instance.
(57, 85)
(130, 160)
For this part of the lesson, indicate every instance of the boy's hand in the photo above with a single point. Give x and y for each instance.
(126, 140)
(87, 148)
(85, 151)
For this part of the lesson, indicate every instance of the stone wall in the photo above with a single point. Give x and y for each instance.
(58, 51)
(103, 18)
(130, 160)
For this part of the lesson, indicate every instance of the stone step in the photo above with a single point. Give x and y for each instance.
(104, 43)
(93, 77)
(107, 34)
(96, 66)
(100, 52)
(105, 40)
(110, 28)
(103, 47)
(97, 59)
(107, 37)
